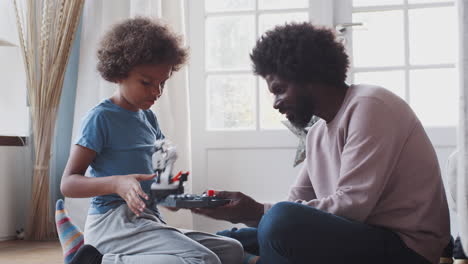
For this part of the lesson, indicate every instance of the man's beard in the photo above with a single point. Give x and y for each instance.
(301, 115)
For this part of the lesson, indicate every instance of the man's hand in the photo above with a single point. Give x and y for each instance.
(241, 209)
(172, 209)
(128, 187)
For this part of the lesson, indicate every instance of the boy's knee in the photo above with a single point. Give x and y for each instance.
(232, 252)
(209, 257)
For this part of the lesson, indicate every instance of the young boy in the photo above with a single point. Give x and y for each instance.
(117, 141)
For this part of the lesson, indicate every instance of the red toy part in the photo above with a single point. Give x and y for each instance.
(210, 193)
(177, 177)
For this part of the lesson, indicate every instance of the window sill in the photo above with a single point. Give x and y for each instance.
(12, 141)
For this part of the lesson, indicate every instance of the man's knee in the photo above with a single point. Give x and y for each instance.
(285, 218)
(279, 221)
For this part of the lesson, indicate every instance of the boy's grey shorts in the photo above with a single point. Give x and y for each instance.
(122, 237)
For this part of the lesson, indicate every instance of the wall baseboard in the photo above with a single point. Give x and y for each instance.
(7, 238)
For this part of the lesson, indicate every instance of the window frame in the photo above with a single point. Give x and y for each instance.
(441, 136)
(317, 15)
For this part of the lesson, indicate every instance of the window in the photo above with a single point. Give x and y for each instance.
(409, 47)
(400, 46)
(236, 99)
(14, 117)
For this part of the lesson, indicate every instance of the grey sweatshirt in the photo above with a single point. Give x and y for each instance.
(375, 164)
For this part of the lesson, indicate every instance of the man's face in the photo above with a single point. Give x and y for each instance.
(291, 99)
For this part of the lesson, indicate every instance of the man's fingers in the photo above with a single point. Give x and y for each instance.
(173, 209)
(199, 211)
(223, 194)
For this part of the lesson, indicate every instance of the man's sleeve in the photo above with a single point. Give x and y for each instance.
(301, 190)
(375, 138)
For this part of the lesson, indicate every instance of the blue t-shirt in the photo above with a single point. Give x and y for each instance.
(124, 143)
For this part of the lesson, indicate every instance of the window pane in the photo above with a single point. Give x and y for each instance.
(380, 41)
(270, 118)
(429, 1)
(434, 96)
(360, 3)
(229, 41)
(231, 101)
(268, 21)
(391, 80)
(229, 5)
(432, 40)
(282, 4)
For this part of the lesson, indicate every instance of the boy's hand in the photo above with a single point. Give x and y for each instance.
(241, 209)
(128, 187)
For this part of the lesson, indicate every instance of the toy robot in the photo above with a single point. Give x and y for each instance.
(168, 190)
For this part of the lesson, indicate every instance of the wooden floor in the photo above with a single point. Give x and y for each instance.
(30, 252)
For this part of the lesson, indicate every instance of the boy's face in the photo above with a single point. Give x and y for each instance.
(143, 86)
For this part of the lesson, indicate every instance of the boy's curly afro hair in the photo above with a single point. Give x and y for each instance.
(302, 53)
(138, 41)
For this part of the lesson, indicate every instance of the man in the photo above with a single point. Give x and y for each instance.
(370, 189)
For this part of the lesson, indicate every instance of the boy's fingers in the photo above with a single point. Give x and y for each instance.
(136, 210)
(141, 193)
(145, 177)
(133, 203)
(138, 202)
(133, 208)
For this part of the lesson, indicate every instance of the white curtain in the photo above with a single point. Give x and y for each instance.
(171, 109)
(462, 179)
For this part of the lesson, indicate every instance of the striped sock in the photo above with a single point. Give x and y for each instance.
(70, 235)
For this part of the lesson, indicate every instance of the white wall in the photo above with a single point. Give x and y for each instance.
(15, 189)
(15, 165)
(13, 109)
(262, 173)
(13, 99)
